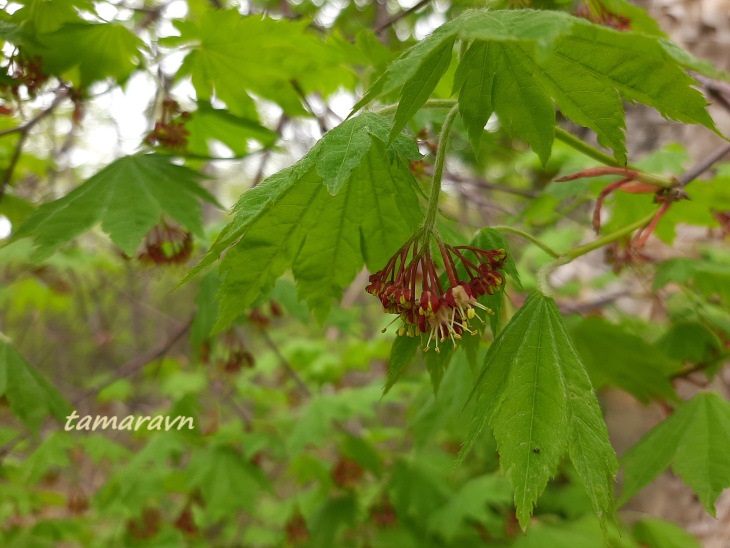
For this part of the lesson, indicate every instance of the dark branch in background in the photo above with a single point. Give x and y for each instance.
(303, 388)
(24, 129)
(390, 22)
(703, 165)
(283, 119)
(322, 123)
(720, 92)
(135, 364)
(479, 183)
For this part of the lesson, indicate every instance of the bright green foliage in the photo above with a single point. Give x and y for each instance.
(663, 534)
(86, 53)
(584, 532)
(402, 353)
(32, 398)
(336, 513)
(707, 277)
(418, 88)
(473, 502)
(635, 365)
(436, 364)
(294, 442)
(127, 197)
(694, 440)
(232, 55)
(70, 47)
(520, 62)
(323, 218)
(209, 124)
(535, 394)
(690, 342)
(226, 480)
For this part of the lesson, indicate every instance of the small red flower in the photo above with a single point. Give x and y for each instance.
(166, 244)
(596, 12)
(169, 130)
(443, 310)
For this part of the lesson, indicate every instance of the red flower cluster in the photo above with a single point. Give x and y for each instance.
(166, 244)
(169, 130)
(443, 310)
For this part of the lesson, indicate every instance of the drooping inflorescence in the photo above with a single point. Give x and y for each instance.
(411, 287)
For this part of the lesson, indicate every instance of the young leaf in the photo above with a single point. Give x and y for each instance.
(402, 353)
(291, 221)
(437, 362)
(522, 106)
(86, 53)
(663, 534)
(475, 81)
(470, 503)
(520, 61)
(208, 124)
(332, 516)
(535, 394)
(32, 398)
(419, 87)
(694, 440)
(689, 341)
(232, 55)
(226, 480)
(636, 366)
(127, 197)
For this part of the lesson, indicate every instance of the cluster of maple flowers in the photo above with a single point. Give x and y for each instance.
(442, 309)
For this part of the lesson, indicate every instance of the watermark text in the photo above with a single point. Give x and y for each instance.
(130, 422)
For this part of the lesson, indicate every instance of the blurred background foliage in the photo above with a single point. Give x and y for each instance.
(294, 443)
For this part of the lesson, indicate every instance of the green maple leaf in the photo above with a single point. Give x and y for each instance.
(536, 396)
(232, 55)
(226, 480)
(520, 64)
(32, 398)
(127, 197)
(402, 354)
(636, 366)
(85, 53)
(208, 124)
(694, 440)
(348, 202)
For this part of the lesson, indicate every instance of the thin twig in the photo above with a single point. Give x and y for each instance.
(320, 121)
(135, 364)
(303, 388)
(703, 165)
(266, 156)
(390, 22)
(490, 186)
(24, 130)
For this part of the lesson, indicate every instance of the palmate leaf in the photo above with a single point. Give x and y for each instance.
(536, 396)
(85, 53)
(127, 197)
(348, 202)
(232, 55)
(522, 63)
(636, 366)
(694, 440)
(207, 125)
